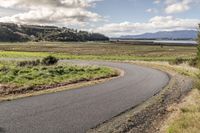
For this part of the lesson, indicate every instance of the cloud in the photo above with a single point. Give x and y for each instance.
(152, 10)
(156, 1)
(174, 6)
(53, 3)
(62, 12)
(154, 24)
(170, 1)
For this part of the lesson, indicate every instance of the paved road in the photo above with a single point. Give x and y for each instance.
(78, 110)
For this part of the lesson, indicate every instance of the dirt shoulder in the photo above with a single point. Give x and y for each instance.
(148, 117)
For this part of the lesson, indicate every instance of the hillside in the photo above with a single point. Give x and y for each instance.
(172, 35)
(19, 33)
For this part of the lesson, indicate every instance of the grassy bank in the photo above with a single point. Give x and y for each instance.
(16, 79)
(187, 116)
(184, 116)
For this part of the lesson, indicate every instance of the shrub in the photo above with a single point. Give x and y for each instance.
(29, 63)
(50, 60)
(36, 63)
(193, 62)
(4, 69)
(177, 61)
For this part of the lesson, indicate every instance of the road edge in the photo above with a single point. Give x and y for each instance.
(64, 88)
(146, 117)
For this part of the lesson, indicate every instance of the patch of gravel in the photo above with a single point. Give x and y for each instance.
(147, 117)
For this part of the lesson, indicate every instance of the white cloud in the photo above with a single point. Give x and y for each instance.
(54, 3)
(154, 24)
(170, 1)
(156, 1)
(62, 12)
(152, 10)
(174, 6)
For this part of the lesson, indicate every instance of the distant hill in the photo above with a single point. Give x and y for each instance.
(172, 35)
(10, 32)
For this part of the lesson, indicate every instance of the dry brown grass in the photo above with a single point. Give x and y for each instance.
(185, 116)
(183, 69)
(102, 49)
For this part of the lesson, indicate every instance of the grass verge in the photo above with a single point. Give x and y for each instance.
(184, 116)
(56, 89)
(21, 80)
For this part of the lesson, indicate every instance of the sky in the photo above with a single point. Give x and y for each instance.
(110, 17)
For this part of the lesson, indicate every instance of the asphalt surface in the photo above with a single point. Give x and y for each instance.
(76, 111)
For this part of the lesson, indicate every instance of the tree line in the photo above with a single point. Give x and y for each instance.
(10, 32)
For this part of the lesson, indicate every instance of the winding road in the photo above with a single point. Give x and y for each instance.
(76, 111)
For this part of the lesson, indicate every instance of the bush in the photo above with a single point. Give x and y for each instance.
(193, 62)
(29, 63)
(49, 60)
(177, 61)
(4, 69)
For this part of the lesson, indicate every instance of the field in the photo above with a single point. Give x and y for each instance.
(15, 79)
(96, 51)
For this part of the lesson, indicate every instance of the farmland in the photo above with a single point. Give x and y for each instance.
(88, 51)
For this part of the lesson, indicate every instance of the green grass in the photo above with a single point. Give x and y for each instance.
(96, 51)
(20, 77)
(14, 54)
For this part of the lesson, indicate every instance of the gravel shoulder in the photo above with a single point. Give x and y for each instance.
(148, 116)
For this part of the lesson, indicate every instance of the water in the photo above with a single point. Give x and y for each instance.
(178, 42)
(175, 41)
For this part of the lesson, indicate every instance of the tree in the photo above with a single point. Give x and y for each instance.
(198, 45)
